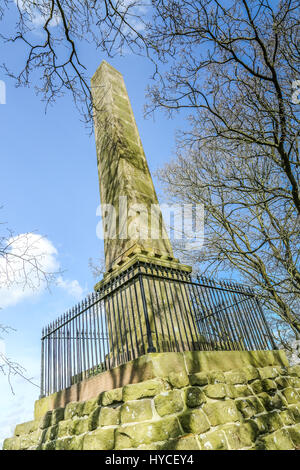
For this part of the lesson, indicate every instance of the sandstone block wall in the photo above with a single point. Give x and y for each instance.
(244, 408)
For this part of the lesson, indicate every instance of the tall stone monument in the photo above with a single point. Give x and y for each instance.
(134, 231)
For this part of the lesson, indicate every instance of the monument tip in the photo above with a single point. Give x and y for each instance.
(104, 64)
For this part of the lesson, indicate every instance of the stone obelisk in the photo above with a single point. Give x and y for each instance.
(128, 197)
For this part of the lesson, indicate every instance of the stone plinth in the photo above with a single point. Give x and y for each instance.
(190, 401)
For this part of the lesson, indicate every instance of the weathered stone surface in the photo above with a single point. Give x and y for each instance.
(279, 440)
(57, 415)
(269, 422)
(237, 391)
(183, 443)
(295, 382)
(169, 402)
(282, 382)
(286, 418)
(149, 388)
(249, 407)
(291, 396)
(237, 376)
(221, 412)
(294, 370)
(194, 421)
(53, 432)
(109, 416)
(11, 443)
(270, 419)
(134, 411)
(69, 443)
(93, 418)
(294, 410)
(101, 439)
(215, 391)
(240, 436)
(214, 440)
(80, 426)
(216, 376)
(251, 373)
(111, 396)
(194, 397)
(268, 372)
(73, 408)
(132, 436)
(201, 378)
(26, 428)
(90, 405)
(45, 422)
(178, 379)
(294, 432)
(63, 429)
(271, 402)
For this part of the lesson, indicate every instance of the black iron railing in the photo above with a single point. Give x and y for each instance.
(149, 308)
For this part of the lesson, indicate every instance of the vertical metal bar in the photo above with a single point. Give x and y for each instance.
(42, 366)
(139, 317)
(133, 315)
(271, 338)
(151, 347)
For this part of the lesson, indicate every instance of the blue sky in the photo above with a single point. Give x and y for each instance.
(49, 185)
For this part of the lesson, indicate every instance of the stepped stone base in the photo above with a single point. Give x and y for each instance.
(183, 401)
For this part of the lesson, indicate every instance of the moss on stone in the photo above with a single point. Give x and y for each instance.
(178, 379)
(221, 412)
(74, 408)
(26, 428)
(93, 418)
(111, 396)
(214, 440)
(100, 439)
(182, 443)
(45, 421)
(294, 371)
(291, 396)
(134, 411)
(251, 373)
(132, 436)
(234, 377)
(215, 391)
(268, 372)
(270, 422)
(249, 407)
(279, 440)
(89, 406)
(240, 436)
(11, 443)
(149, 388)
(169, 402)
(194, 397)
(294, 432)
(109, 416)
(216, 376)
(237, 391)
(200, 378)
(79, 426)
(57, 415)
(194, 421)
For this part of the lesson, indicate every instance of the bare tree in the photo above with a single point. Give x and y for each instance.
(250, 229)
(21, 266)
(232, 69)
(110, 25)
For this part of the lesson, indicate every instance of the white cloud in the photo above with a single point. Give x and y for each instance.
(21, 269)
(71, 287)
